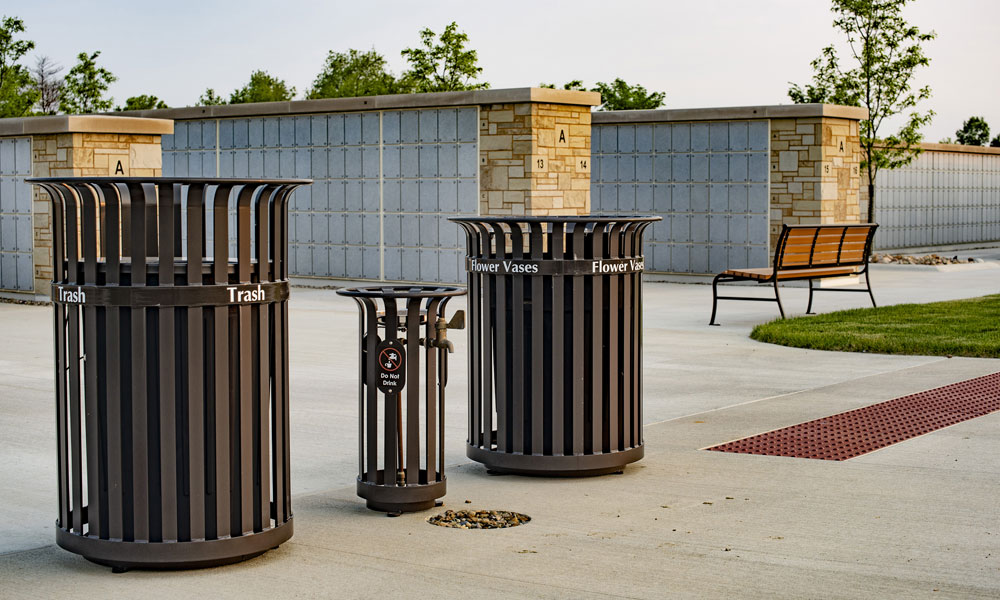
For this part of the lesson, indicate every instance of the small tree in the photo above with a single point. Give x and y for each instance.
(576, 84)
(828, 86)
(442, 64)
(48, 86)
(143, 102)
(262, 88)
(619, 95)
(17, 94)
(995, 142)
(886, 50)
(210, 98)
(974, 132)
(85, 86)
(353, 73)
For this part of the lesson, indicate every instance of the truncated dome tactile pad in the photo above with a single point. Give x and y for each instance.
(856, 432)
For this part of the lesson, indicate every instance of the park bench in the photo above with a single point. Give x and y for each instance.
(808, 252)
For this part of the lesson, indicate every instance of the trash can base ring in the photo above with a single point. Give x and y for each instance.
(393, 498)
(555, 466)
(402, 507)
(174, 555)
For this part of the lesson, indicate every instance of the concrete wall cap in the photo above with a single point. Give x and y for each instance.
(777, 111)
(85, 124)
(388, 102)
(961, 148)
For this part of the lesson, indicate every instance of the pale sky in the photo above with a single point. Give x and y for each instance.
(703, 53)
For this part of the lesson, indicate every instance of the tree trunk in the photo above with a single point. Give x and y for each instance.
(871, 201)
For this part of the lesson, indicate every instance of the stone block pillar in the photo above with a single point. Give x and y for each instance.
(534, 154)
(72, 146)
(815, 169)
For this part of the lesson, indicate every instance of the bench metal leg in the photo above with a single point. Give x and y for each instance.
(868, 288)
(715, 299)
(778, 299)
(868, 282)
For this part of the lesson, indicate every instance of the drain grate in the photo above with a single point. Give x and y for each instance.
(856, 432)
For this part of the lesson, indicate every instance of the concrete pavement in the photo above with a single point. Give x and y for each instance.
(919, 519)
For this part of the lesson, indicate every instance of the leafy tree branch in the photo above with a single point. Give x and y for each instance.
(442, 63)
(886, 51)
(17, 94)
(85, 85)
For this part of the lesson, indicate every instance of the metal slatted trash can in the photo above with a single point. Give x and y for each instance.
(555, 343)
(171, 360)
(410, 475)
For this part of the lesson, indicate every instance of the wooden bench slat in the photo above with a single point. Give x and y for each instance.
(797, 249)
(765, 273)
(814, 273)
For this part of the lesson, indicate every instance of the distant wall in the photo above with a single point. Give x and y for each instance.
(385, 183)
(949, 194)
(57, 146)
(390, 170)
(16, 238)
(725, 179)
(708, 180)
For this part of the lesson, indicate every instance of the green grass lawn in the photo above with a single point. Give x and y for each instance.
(955, 328)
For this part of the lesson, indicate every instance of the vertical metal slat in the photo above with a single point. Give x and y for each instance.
(88, 199)
(167, 196)
(112, 231)
(558, 377)
(263, 241)
(519, 358)
(537, 398)
(502, 367)
(477, 437)
(430, 397)
(196, 398)
(59, 256)
(597, 348)
(282, 248)
(615, 349)
(244, 335)
(578, 238)
(627, 342)
(221, 352)
(483, 325)
(412, 432)
(140, 452)
(390, 462)
(371, 345)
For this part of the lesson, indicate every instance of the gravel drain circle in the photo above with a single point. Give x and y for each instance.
(478, 519)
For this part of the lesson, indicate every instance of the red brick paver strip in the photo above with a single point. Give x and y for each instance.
(856, 432)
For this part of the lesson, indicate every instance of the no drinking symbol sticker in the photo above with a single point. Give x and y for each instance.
(390, 376)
